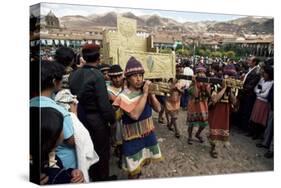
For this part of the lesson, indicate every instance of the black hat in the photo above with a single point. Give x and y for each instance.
(115, 70)
(104, 67)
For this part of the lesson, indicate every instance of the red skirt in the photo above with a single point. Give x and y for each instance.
(260, 112)
(219, 121)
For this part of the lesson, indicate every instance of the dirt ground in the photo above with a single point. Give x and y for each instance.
(181, 159)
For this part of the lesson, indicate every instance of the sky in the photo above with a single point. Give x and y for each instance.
(85, 10)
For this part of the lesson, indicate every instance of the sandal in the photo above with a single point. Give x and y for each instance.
(189, 141)
(170, 128)
(160, 120)
(177, 135)
(137, 176)
(201, 140)
(214, 154)
(119, 163)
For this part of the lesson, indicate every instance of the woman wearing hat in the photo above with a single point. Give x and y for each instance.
(140, 144)
(197, 111)
(221, 100)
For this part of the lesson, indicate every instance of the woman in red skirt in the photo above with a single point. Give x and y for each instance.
(261, 107)
(219, 110)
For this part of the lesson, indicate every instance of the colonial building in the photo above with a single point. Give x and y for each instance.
(49, 21)
(258, 47)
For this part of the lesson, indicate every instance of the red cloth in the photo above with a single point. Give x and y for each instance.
(260, 112)
(219, 121)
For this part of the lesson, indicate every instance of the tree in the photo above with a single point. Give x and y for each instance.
(239, 50)
(216, 54)
(230, 54)
(166, 50)
(201, 52)
(179, 46)
(183, 52)
(207, 52)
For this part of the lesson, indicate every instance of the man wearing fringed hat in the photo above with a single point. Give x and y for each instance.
(222, 98)
(140, 144)
(104, 68)
(114, 88)
(94, 109)
(197, 110)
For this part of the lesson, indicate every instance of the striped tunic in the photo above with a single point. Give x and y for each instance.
(140, 143)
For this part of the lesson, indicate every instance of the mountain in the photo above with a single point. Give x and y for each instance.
(224, 27)
(259, 27)
(248, 20)
(249, 24)
(75, 22)
(109, 19)
(140, 20)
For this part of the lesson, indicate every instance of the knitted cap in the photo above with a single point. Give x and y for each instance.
(229, 70)
(200, 68)
(133, 67)
(115, 70)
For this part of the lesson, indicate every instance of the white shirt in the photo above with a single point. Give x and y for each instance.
(85, 151)
(188, 72)
(264, 91)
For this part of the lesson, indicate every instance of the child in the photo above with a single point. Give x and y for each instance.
(197, 112)
(115, 87)
(140, 144)
(172, 106)
(221, 100)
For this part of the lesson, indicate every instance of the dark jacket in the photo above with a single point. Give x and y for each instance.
(89, 86)
(270, 98)
(251, 82)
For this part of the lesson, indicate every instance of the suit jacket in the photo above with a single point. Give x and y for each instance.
(251, 81)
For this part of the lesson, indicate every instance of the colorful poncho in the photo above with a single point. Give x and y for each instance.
(127, 101)
(113, 92)
(140, 143)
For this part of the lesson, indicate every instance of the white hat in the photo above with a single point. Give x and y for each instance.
(64, 98)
